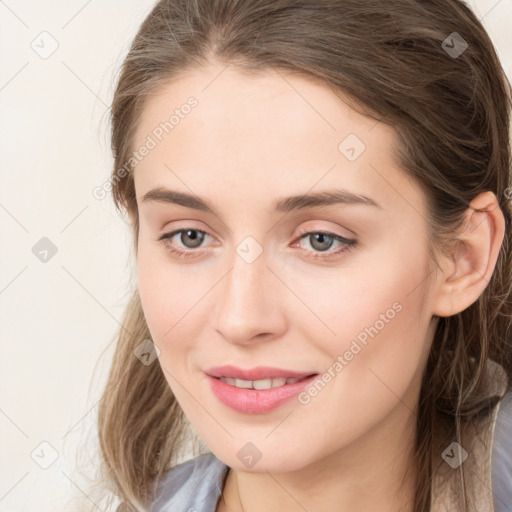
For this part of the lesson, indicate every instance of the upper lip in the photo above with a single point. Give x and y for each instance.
(258, 373)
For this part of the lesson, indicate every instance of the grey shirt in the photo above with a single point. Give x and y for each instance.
(196, 485)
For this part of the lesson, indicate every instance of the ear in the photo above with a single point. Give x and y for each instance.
(466, 273)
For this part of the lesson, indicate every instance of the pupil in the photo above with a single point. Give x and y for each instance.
(194, 236)
(321, 238)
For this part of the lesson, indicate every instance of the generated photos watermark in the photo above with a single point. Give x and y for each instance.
(356, 346)
(151, 142)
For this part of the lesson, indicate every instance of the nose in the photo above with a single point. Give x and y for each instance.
(249, 303)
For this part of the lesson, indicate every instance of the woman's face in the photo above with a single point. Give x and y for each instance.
(261, 286)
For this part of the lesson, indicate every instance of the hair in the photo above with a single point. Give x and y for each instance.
(451, 116)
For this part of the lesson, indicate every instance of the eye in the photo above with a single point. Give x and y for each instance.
(322, 241)
(191, 238)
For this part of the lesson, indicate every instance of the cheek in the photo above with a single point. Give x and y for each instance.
(380, 324)
(161, 289)
(375, 295)
(174, 299)
(168, 299)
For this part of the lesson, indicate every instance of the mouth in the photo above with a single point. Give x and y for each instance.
(258, 390)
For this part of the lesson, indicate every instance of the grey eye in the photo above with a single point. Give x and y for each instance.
(195, 236)
(320, 241)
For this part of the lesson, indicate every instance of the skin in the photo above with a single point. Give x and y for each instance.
(251, 140)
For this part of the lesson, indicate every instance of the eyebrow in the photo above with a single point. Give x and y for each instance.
(283, 204)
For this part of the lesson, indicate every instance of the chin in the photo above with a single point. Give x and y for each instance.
(253, 457)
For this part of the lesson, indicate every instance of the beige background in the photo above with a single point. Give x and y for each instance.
(57, 317)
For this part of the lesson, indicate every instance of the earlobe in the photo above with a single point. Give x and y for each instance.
(473, 260)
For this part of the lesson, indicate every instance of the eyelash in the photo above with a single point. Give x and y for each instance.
(184, 254)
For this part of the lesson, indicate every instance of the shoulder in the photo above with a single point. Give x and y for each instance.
(194, 484)
(502, 456)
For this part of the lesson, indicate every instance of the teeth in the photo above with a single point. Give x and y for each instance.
(259, 384)
(264, 383)
(246, 384)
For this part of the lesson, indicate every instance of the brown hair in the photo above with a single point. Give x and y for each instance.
(452, 118)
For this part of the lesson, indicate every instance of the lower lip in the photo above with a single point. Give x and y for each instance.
(256, 401)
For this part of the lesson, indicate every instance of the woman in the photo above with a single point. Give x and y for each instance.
(320, 199)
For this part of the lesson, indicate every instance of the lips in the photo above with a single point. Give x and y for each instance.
(258, 390)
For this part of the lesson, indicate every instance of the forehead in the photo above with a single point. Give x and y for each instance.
(271, 130)
(270, 102)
